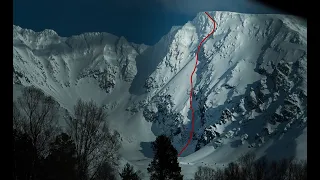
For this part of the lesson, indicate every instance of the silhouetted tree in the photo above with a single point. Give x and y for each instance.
(278, 169)
(128, 173)
(297, 170)
(260, 168)
(219, 174)
(61, 161)
(246, 163)
(164, 165)
(24, 156)
(38, 117)
(204, 173)
(232, 172)
(35, 115)
(105, 172)
(246, 168)
(95, 144)
(17, 117)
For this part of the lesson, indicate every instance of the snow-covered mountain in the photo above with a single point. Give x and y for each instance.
(250, 85)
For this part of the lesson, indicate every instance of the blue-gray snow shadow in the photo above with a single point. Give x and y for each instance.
(234, 101)
(250, 127)
(146, 149)
(288, 140)
(198, 100)
(236, 143)
(286, 146)
(147, 63)
(262, 62)
(198, 97)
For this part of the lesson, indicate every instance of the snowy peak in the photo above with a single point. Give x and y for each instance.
(250, 79)
(34, 39)
(244, 50)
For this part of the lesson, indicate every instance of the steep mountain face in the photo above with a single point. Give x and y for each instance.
(250, 83)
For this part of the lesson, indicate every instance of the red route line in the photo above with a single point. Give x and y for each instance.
(191, 91)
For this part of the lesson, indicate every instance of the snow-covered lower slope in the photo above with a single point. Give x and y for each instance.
(250, 85)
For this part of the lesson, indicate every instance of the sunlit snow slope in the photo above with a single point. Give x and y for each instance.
(250, 85)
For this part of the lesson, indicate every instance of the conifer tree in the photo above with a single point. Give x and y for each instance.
(165, 165)
(128, 173)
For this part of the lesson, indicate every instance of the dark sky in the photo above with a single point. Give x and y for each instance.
(139, 21)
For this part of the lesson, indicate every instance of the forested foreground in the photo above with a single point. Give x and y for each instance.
(248, 168)
(86, 149)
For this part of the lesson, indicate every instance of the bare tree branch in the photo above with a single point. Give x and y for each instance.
(95, 144)
(38, 118)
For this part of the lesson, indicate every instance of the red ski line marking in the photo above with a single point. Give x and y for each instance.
(191, 91)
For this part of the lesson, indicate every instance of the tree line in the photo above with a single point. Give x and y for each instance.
(248, 168)
(88, 150)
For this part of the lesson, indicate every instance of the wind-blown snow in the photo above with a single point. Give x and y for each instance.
(250, 85)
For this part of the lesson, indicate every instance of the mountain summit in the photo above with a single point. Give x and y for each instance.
(250, 86)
